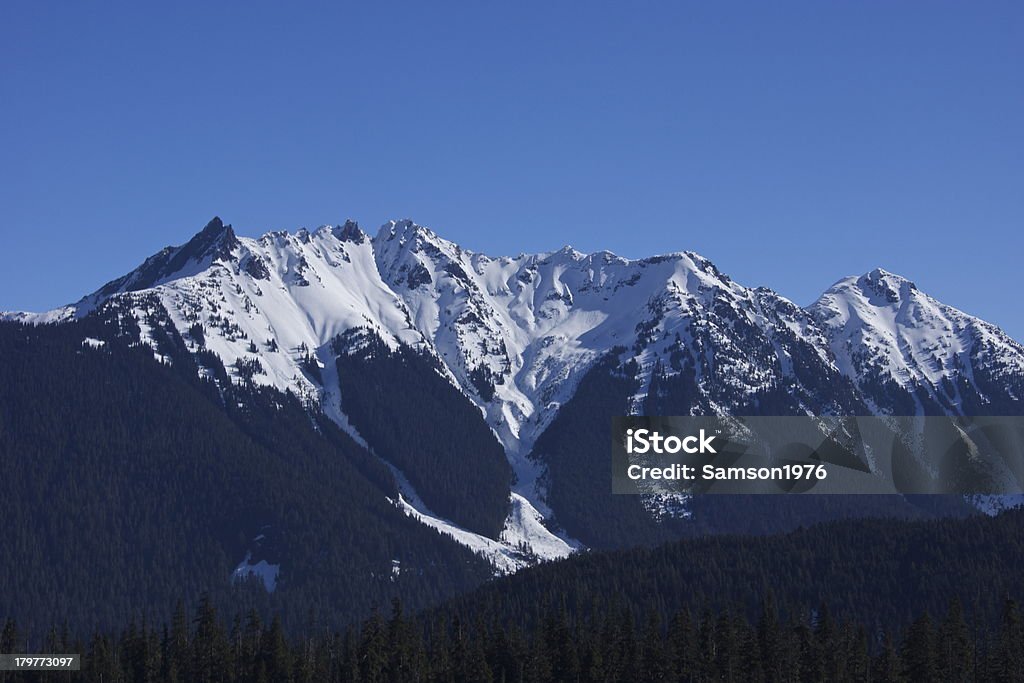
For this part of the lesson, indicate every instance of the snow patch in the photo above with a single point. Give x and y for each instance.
(263, 570)
(524, 541)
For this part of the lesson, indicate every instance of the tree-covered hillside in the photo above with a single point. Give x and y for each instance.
(879, 572)
(418, 421)
(128, 483)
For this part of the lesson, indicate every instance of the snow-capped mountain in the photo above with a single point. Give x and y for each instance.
(886, 334)
(515, 335)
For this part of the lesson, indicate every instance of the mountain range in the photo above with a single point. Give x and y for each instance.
(485, 383)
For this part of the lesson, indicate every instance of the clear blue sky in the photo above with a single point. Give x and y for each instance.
(790, 142)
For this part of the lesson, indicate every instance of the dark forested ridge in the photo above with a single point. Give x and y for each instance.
(128, 483)
(575, 449)
(847, 601)
(861, 600)
(878, 572)
(417, 420)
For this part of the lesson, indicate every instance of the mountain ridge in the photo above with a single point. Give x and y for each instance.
(516, 335)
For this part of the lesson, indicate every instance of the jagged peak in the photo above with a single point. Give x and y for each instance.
(215, 242)
(216, 235)
(215, 226)
(566, 253)
(878, 285)
(407, 237)
(404, 228)
(349, 232)
(609, 256)
(662, 258)
(880, 276)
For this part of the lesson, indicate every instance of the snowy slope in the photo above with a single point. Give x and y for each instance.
(883, 331)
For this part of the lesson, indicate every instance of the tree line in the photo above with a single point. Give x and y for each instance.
(611, 647)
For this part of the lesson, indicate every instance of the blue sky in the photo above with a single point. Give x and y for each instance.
(792, 143)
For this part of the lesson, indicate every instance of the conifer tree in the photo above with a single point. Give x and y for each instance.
(955, 647)
(1010, 646)
(918, 652)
